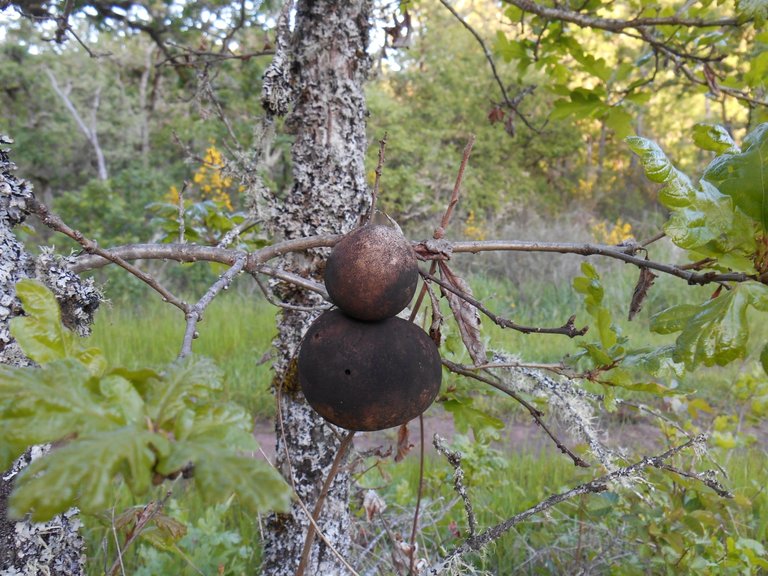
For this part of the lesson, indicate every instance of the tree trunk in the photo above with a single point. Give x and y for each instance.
(28, 548)
(329, 64)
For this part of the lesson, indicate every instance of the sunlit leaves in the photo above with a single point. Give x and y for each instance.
(754, 9)
(715, 138)
(678, 190)
(40, 333)
(118, 423)
(744, 176)
(82, 472)
(218, 471)
(715, 332)
(704, 219)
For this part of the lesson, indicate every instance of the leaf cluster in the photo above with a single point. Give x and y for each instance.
(106, 423)
(722, 223)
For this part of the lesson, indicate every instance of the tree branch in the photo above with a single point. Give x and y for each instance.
(535, 412)
(568, 329)
(56, 223)
(601, 484)
(195, 312)
(509, 102)
(454, 459)
(616, 24)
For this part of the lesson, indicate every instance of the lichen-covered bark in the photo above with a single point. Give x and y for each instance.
(329, 64)
(28, 548)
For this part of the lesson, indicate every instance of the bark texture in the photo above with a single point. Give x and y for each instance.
(28, 548)
(328, 66)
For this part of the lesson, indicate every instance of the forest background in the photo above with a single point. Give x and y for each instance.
(116, 139)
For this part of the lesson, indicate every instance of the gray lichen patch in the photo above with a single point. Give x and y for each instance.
(27, 548)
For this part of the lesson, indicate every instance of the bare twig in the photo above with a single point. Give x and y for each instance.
(346, 442)
(270, 297)
(379, 168)
(707, 478)
(616, 24)
(567, 329)
(534, 412)
(601, 484)
(55, 223)
(195, 312)
(292, 482)
(440, 230)
(624, 252)
(230, 236)
(454, 459)
(509, 102)
(428, 250)
(415, 524)
(182, 223)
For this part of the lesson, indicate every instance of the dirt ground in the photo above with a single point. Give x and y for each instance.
(515, 436)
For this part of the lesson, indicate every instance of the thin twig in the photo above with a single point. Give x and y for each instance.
(704, 477)
(195, 312)
(510, 103)
(440, 230)
(54, 222)
(567, 329)
(454, 459)
(303, 506)
(182, 223)
(415, 524)
(379, 168)
(619, 252)
(534, 412)
(601, 484)
(346, 442)
(284, 305)
(230, 236)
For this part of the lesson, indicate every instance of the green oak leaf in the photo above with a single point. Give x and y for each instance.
(744, 176)
(715, 332)
(82, 472)
(217, 471)
(41, 405)
(40, 333)
(678, 191)
(185, 383)
(466, 416)
(657, 362)
(715, 138)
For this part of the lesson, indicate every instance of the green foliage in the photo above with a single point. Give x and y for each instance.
(139, 425)
(208, 546)
(715, 332)
(720, 219)
(744, 176)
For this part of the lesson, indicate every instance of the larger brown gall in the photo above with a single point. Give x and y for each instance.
(368, 375)
(372, 273)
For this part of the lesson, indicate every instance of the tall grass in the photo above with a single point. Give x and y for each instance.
(236, 332)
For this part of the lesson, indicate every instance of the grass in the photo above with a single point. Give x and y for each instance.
(236, 332)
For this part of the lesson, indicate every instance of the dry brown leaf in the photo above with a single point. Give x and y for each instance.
(467, 317)
(403, 443)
